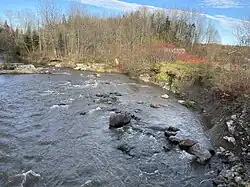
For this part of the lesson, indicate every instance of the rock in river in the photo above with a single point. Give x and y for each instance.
(155, 106)
(175, 140)
(164, 96)
(170, 133)
(201, 152)
(119, 120)
(173, 129)
(186, 144)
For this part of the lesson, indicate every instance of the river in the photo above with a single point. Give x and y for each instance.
(55, 132)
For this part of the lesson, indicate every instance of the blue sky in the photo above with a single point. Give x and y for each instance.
(224, 14)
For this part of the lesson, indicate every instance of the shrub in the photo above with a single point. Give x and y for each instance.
(234, 82)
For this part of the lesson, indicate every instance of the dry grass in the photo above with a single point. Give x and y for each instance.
(233, 81)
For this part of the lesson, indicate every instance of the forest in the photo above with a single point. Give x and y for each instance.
(74, 35)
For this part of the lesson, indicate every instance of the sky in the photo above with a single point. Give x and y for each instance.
(225, 15)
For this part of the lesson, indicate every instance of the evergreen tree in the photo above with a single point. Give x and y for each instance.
(61, 44)
(64, 21)
(17, 33)
(35, 40)
(6, 26)
(28, 39)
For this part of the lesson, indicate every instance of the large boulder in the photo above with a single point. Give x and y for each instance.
(201, 152)
(186, 144)
(119, 120)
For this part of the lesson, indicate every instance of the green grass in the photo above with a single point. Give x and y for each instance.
(178, 75)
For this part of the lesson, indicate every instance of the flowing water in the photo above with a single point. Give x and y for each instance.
(55, 133)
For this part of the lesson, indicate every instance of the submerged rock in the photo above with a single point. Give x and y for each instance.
(103, 99)
(125, 148)
(62, 104)
(119, 120)
(115, 93)
(82, 113)
(166, 149)
(135, 117)
(99, 95)
(140, 102)
(201, 152)
(155, 106)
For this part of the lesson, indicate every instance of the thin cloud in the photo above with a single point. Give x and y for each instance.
(116, 5)
(228, 22)
(224, 24)
(225, 3)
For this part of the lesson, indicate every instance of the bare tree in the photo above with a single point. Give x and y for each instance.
(242, 33)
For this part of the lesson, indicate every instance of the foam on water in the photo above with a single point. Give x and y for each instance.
(90, 83)
(65, 83)
(47, 92)
(59, 106)
(147, 173)
(95, 109)
(71, 99)
(184, 155)
(78, 86)
(144, 86)
(62, 73)
(24, 175)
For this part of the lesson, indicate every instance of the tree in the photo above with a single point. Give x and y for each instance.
(35, 40)
(28, 39)
(61, 45)
(242, 33)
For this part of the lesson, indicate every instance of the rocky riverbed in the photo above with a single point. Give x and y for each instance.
(85, 129)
